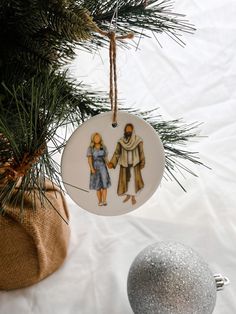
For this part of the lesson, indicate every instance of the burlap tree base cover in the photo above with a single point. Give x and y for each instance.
(33, 247)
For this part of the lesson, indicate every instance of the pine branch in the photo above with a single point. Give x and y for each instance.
(39, 108)
(38, 36)
(41, 35)
(140, 17)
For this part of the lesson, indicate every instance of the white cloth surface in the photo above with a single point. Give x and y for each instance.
(197, 83)
(93, 278)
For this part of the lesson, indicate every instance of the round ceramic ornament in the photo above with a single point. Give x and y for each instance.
(112, 170)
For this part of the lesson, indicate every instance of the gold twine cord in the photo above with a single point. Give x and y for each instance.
(113, 93)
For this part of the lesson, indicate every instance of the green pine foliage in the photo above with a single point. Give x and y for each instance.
(140, 17)
(37, 97)
(38, 36)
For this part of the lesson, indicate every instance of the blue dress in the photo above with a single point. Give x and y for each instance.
(100, 179)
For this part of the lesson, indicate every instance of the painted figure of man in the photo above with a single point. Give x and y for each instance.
(130, 156)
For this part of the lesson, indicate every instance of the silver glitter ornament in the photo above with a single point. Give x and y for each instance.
(170, 278)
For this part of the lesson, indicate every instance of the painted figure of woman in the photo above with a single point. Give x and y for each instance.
(99, 175)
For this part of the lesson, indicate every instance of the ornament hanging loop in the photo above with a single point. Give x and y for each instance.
(113, 77)
(113, 93)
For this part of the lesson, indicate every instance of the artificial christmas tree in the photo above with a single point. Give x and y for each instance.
(37, 97)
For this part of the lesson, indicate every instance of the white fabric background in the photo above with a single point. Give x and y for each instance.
(198, 84)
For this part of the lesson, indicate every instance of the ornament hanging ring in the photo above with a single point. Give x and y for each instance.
(221, 281)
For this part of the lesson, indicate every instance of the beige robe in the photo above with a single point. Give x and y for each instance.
(138, 164)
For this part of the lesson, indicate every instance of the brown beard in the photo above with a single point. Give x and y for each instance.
(127, 135)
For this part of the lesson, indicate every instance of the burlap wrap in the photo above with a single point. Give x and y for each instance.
(33, 247)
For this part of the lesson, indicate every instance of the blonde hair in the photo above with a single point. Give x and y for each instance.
(92, 139)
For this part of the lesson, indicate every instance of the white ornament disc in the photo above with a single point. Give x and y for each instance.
(112, 170)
